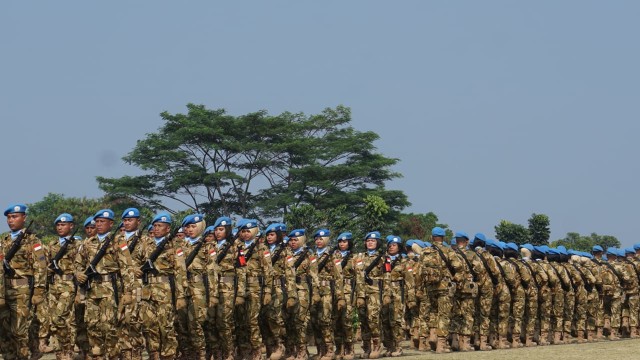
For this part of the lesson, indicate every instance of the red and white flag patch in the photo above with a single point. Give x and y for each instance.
(123, 247)
(179, 252)
(267, 253)
(212, 252)
(313, 259)
(37, 247)
(289, 258)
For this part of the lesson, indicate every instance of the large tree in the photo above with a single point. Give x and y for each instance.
(579, 242)
(418, 226)
(256, 164)
(539, 229)
(509, 232)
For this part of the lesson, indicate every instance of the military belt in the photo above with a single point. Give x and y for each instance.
(159, 280)
(195, 278)
(64, 277)
(396, 283)
(326, 282)
(299, 278)
(226, 279)
(376, 283)
(102, 278)
(18, 282)
(253, 279)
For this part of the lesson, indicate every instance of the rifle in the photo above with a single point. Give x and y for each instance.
(324, 261)
(91, 271)
(223, 251)
(494, 279)
(371, 266)
(251, 250)
(452, 271)
(63, 250)
(148, 266)
(193, 253)
(136, 237)
(474, 275)
(17, 243)
(278, 252)
(300, 259)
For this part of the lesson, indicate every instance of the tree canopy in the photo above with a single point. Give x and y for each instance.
(579, 242)
(509, 232)
(258, 165)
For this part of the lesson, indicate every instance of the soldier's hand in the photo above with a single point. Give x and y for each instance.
(315, 298)
(386, 300)
(291, 302)
(213, 301)
(360, 303)
(81, 277)
(239, 300)
(266, 299)
(138, 273)
(127, 299)
(181, 304)
(341, 304)
(38, 297)
(411, 305)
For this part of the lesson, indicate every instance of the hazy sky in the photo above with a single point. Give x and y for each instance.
(496, 109)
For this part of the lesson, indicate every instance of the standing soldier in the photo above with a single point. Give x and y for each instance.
(486, 291)
(24, 283)
(613, 295)
(501, 307)
(369, 289)
(283, 290)
(417, 315)
(256, 258)
(163, 285)
(466, 293)
(82, 340)
(534, 292)
(442, 270)
(539, 254)
(344, 319)
(520, 287)
(583, 276)
(62, 289)
(634, 301)
(399, 291)
(231, 285)
(106, 261)
(130, 340)
(327, 295)
(558, 295)
(630, 306)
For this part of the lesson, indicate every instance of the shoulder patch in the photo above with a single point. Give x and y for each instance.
(289, 258)
(313, 259)
(337, 261)
(410, 269)
(213, 252)
(179, 252)
(37, 247)
(123, 247)
(267, 253)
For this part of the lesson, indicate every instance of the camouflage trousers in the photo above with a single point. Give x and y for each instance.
(594, 310)
(82, 340)
(40, 326)
(100, 316)
(15, 319)
(557, 309)
(544, 309)
(247, 327)
(197, 312)
(156, 316)
(440, 311)
(344, 319)
(61, 306)
(393, 322)
(500, 311)
(296, 321)
(463, 314)
(630, 309)
(518, 301)
(322, 319)
(530, 311)
(580, 310)
(272, 318)
(369, 315)
(224, 324)
(568, 311)
(612, 305)
(483, 310)
(130, 331)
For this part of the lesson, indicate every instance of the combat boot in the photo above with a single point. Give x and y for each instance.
(502, 342)
(624, 329)
(154, 355)
(256, 354)
(302, 354)
(455, 342)
(375, 348)
(557, 338)
(339, 351)
(422, 345)
(599, 334)
(329, 353)
(433, 339)
(484, 344)
(607, 325)
(126, 354)
(543, 340)
(581, 339)
(465, 343)
(515, 342)
(634, 333)
(366, 349)
(529, 341)
(348, 351)
(290, 352)
(397, 350)
(416, 343)
(613, 335)
(277, 352)
(442, 347)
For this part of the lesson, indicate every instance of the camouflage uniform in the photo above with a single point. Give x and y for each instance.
(344, 318)
(545, 303)
(612, 298)
(574, 304)
(465, 298)
(538, 284)
(501, 306)
(582, 297)
(62, 294)
(101, 312)
(330, 290)
(630, 304)
(420, 314)
(524, 280)
(558, 298)
(399, 286)
(30, 265)
(594, 305)
(441, 271)
(298, 317)
(156, 309)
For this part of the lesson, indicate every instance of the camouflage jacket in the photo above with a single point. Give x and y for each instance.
(330, 276)
(284, 279)
(233, 277)
(371, 283)
(306, 276)
(399, 280)
(347, 266)
(442, 267)
(66, 264)
(259, 270)
(169, 264)
(29, 261)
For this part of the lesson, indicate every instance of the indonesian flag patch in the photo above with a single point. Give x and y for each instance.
(289, 258)
(179, 252)
(313, 259)
(337, 261)
(212, 252)
(37, 247)
(359, 262)
(267, 253)
(123, 247)
(410, 269)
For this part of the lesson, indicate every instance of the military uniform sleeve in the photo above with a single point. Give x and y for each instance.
(337, 277)
(359, 271)
(180, 271)
(212, 270)
(125, 265)
(39, 257)
(267, 270)
(409, 281)
(289, 274)
(241, 272)
(458, 266)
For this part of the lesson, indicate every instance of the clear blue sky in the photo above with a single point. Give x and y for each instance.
(497, 109)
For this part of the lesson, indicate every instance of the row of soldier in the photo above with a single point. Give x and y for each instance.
(223, 292)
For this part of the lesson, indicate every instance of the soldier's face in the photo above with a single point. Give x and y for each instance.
(220, 233)
(90, 231)
(272, 237)
(245, 235)
(16, 221)
(393, 249)
(209, 238)
(131, 224)
(371, 244)
(161, 229)
(64, 228)
(180, 235)
(294, 243)
(190, 230)
(462, 243)
(320, 242)
(103, 225)
(343, 245)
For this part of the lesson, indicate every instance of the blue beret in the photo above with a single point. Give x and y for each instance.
(461, 234)
(192, 219)
(15, 208)
(373, 235)
(454, 241)
(426, 244)
(209, 230)
(629, 250)
(605, 258)
(163, 218)
(105, 214)
(587, 255)
(272, 228)
(636, 247)
(573, 252)
(394, 239)
(297, 233)
(612, 251)
(410, 242)
(322, 232)
(131, 213)
(528, 247)
(620, 252)
(562, 250)
(492, 243)
(89, 222)
(63, 218)
(480, 236)
(247, 224)
(77, 237)
(150, 227)
(554, 251)
(512, 246)
(597, 248)
(542, 248)
(437, 231)
(345, 236)
(222, 221)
